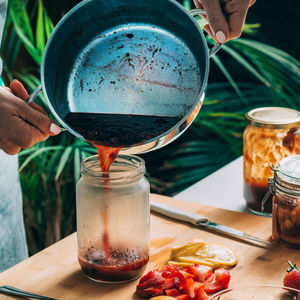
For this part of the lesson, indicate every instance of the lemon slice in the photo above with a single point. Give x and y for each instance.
(217, 255)
(194, 259)
(198, 252)
(163, 298)
(186, 249)
(180, 264)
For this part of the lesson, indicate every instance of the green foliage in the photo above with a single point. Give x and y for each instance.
(50, 169)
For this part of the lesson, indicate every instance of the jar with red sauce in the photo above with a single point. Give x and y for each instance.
(272, 134)
(113, 217)
(285, 188)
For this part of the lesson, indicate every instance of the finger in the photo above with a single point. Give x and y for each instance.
(208, 29)
(26, 135)
(197, 4)
(37, 119)
(10, 148)
(18, 89)
(236, 22)
(38, 108)
(217, 21)
(252, 2)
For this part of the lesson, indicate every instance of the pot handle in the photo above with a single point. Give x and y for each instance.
(36, 92)
(217, 46)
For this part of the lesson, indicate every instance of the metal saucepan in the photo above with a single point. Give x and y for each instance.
(127, 57)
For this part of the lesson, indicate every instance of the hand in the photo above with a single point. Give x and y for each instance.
(22, 125)
(226, 18)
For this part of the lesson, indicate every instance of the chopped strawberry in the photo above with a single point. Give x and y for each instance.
(182, 297)
(189, 288)
(222, 277)
(219, 282)
(187, 274)
(198, 285)
(201, 295)
(170, 283)
(149, 293)
(147, 276)
(172, 292)
(190, 283)
(154, 281)
(200, 272)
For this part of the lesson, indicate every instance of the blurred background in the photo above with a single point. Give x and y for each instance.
(261, 68)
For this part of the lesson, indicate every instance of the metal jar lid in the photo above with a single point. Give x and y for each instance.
(273, 117)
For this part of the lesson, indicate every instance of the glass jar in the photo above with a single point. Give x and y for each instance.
(113, 216)
(272, 134)
(285, 188)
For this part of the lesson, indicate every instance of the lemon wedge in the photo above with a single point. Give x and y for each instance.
(198, 252)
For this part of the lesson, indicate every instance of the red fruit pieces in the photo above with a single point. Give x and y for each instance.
(172, 292)
(190, 283)
(292, 278)
(217, 282)
(201, 294)
(149, 293)
(190, 288)
(200, 272)
(182, 297)
(154, 281)
(222, 277)
(170, 283)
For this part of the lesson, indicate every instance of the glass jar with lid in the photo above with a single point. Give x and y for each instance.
(272, 134)
(113, 217)
(285, 188)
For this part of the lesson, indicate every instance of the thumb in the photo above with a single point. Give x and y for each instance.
(38, 119)
(216, 19)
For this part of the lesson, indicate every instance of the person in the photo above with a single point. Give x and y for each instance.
(23, 125)
(226, 18)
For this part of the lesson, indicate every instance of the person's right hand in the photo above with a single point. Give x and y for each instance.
(22, 125)
(225, 18)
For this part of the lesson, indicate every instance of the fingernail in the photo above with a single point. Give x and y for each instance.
(55, 129)
(221, 36)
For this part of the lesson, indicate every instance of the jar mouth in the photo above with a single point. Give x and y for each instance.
(289, 169)
(124, 167)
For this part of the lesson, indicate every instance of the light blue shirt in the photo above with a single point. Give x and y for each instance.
(13, 247)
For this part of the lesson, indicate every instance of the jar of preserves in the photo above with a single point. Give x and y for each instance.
(285, 188)
(113, 217)
(272, 134)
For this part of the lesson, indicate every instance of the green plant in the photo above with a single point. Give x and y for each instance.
(49, 170)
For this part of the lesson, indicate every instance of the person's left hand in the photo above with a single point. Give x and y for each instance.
(226, 18)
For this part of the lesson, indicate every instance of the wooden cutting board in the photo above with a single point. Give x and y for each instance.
(54, 272)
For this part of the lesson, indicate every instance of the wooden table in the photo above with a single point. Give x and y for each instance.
(55, 272)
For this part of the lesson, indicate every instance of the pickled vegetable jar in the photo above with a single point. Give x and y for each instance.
(286, 201)
(113, 216)
(272, 134)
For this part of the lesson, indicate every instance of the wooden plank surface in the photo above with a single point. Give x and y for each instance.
(55, 272)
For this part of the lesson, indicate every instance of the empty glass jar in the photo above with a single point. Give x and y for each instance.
(113, 218)
(272, 134)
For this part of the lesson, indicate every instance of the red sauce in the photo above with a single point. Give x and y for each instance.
(106, 156)
(121, 266)
(254, 194)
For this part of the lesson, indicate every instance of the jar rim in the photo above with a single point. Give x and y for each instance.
(285, 167)
(124, 167)
(273, 117)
